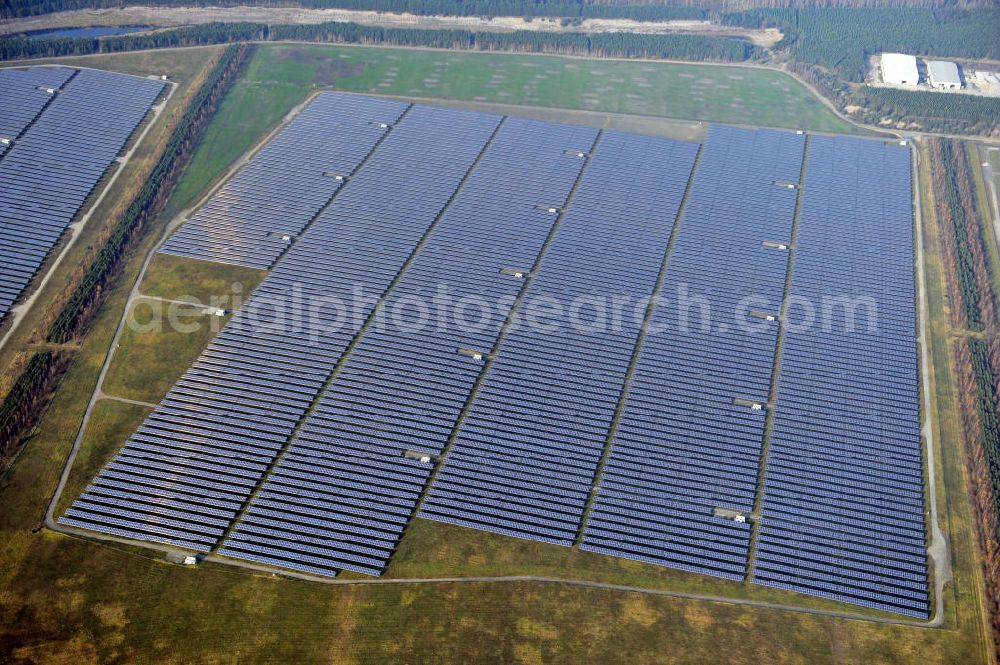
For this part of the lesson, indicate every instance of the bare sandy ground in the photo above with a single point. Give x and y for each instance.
(173, 16)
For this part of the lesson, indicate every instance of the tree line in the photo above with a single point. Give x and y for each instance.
(12, 48)
(639, 10)
(527, 8)
(24, 401)
(956, 209)
(933, 111)
(626, 45)
(973, 306)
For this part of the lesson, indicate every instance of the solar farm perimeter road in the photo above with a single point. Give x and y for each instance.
(938, 550)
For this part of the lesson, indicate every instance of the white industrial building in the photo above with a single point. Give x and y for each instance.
(943, 74)
(900, 69)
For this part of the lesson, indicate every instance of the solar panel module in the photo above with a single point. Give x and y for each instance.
(843, 510)
(309, 443)
(684, 446)
(24, 95)
(345, 478)
(255, 215)
(228, 418)
(64, 128)
(525, 456)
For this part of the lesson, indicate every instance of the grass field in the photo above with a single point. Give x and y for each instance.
(738, 95)
(249, 110)
(110, 424)
(141, 369)
(65, 599)
(192, 280)
(280, 76)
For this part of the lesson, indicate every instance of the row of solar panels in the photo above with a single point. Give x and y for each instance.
(253, 218)
(843, 511)
(25, 92)
(61, 129)
(425, 178)
(403, 388)
(525, 455)
(362, 410)
(272, 359)
(683, 446)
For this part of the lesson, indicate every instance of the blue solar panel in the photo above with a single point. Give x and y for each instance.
(24, 93)
(64, 139)
(524, 459)
(254, 217)
(843, 511)
(227, 418)
(331, 413)
(403, 388)
(683, 447)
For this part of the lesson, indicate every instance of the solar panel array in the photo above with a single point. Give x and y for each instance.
(341, 496)
(24, 94)
(843, 510)
(309, 431)
(57, 157)
(683, 447)
(187, 471)
(525, 456)
(254, 217)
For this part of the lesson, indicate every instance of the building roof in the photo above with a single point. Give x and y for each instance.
(899, 68)
(942, 71)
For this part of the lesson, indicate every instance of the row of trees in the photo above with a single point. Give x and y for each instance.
(12, 48)
(640, 10)
(677, 47)
(353, 33)
(978, 469)
(935, 111)
(526, 8)
(644, 10)
(956, 204)
(614, 44)
(24, 401)
(977, 361)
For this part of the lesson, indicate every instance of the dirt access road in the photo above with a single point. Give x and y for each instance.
(174, 16)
